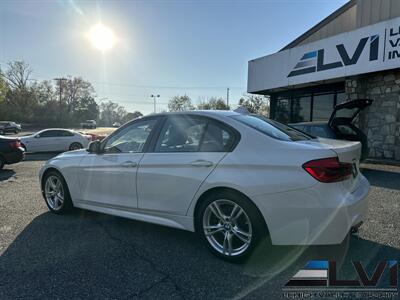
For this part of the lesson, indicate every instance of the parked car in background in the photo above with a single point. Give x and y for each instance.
(236, 179)
(9, 127)
(55, 139)
(116, 124)
(89, 124)
(11, 151)
(94, 136)
(340, 125)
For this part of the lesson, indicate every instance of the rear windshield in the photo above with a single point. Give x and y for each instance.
(272, 128)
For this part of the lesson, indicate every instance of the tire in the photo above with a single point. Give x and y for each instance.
(56, 193)
(2, 162)
(75, 146)
(241, 225)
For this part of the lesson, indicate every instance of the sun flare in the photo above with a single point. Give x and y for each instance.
(101, 37)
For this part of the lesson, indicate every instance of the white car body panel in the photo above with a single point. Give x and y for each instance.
(165, 187)
(187, 171)
(48, 144)
(97, 173)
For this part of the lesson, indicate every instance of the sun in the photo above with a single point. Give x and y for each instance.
(101, 37)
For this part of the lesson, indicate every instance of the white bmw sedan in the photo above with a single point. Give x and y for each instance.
(54, 139)
(233, 178)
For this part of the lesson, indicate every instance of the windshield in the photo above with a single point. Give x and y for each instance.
(272, 128)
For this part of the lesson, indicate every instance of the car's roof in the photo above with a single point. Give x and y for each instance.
(200, 112)
(309, 123)
(64, 129)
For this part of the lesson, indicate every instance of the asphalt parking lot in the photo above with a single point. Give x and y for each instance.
(91, 255)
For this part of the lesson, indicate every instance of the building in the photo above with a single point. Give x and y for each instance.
(353, 53)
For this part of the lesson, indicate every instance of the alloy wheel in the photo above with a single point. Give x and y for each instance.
(227, 227)
(75, 146)
(54, 192)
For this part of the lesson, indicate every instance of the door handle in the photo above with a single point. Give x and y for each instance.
(129, 164)
(201, 163)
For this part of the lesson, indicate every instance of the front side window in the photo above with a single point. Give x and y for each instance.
(49, 133)
(272, 128)
(130, 139)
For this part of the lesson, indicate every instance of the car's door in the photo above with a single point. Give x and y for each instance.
(109, 178)
(42, 141)
(186, 151)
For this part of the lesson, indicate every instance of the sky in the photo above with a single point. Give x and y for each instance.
(181, 47)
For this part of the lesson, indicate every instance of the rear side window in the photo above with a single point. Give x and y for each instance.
(194, 134)
(272, 128)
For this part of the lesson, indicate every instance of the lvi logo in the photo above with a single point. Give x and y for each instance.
(323, 273)
(314, 61)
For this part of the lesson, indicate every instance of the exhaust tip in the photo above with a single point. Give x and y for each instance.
(354, 229)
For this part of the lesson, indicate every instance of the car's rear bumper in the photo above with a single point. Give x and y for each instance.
(321, 215)
(14, 156)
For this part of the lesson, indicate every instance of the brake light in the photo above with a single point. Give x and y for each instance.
(14, 145)
(328, 169)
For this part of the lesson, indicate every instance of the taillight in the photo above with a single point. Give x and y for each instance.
(14, 145)
(328, 169)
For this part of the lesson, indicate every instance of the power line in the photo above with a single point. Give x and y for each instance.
(155, 86)
(166, 86)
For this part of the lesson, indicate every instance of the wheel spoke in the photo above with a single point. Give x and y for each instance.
(228, 243)
(236, 212)
(216, 210)
(214, 232)
(53, 183)
(213, 229)
(58, 185)
(245, 238)
(55, 201)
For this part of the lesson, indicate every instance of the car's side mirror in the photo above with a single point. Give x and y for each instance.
(37, 136)
(94, 147)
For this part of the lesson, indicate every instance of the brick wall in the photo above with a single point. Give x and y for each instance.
(381, 121)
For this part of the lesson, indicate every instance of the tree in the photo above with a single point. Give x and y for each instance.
(180, 103)
(130, 116)
(86, 109)
(17, 75)
(255, 104)
(73, 89)
(111, 112)
(3, 93)
(19, 102)
(213, 103)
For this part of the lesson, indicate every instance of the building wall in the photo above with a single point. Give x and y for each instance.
(363, 13)
(374, 11)
(346, 21)
(381, 121)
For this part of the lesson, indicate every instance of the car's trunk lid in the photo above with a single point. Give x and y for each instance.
(346, 112)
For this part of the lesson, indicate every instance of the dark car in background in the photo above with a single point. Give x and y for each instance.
(9, 127)
(340, 125)
(11, 151)
(89, 124)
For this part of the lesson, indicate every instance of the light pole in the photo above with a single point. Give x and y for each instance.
(154, 98)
